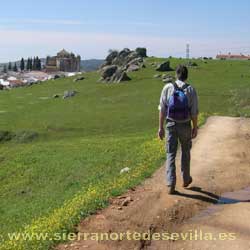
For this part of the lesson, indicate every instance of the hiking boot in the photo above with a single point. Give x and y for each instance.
(186, 184)
(171, 189)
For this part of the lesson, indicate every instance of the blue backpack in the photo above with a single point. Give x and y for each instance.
(177, 108)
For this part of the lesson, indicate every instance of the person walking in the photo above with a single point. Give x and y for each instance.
(179, 108)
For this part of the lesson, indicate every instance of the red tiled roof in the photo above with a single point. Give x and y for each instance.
(16, 82)
(232, 56)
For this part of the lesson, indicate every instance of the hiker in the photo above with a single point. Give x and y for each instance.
(178, 106)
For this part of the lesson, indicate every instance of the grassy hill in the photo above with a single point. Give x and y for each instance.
(73, 166)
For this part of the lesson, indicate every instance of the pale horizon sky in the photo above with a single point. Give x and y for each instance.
(91, 28)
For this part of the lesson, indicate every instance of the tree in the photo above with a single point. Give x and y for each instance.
(141, 51)
(22, 65)
(5, 68)
(15, 68)
(10, 66)
(39, 64)
(34, 64)
(27, 64)
(30, 63)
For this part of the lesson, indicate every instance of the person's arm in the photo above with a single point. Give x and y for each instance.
(161, 131)
(194, 114)
(195, 126)
(162, 112)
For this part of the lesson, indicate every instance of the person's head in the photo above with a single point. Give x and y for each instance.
(181, 72)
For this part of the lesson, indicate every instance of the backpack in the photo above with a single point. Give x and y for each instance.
(177, 108)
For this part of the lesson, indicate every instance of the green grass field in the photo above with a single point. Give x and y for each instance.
(83, 142)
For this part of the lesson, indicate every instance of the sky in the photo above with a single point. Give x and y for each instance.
(91, 27)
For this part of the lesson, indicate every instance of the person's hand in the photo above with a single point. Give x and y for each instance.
(161, 133)
(194, 132)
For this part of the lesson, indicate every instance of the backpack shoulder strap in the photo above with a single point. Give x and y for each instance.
(185, 86)
(175, 85)
(178, 88)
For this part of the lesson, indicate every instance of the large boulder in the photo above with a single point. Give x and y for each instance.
(108, 71)
(165, 66)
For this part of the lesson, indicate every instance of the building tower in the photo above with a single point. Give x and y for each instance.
(187, 51)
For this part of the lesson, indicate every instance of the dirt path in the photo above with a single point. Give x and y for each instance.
(220, 163)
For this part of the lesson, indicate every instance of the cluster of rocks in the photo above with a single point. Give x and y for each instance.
(191, 64)
(66, 94)
(119, 63)
(162, 67)
(165, 78)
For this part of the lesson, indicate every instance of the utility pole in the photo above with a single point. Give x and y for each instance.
(187, 51)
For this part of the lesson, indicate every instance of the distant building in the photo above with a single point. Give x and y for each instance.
(63, 61)
(230, 56)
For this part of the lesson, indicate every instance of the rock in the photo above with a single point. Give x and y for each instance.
(56, 76)
(133, 67)
(80, 78)
(137, 61)
(109, 59)
(157, 76)
(69, 93)
(108, 71)
(126, 201)
(120, 76)
(165, 66)
(124, 170)
(124, 53)
(168, 80)
(191, 64)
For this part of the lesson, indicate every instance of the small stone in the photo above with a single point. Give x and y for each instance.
(126, 201)
(157, 76)
(80, 78)
(124, 170)
(100, 217)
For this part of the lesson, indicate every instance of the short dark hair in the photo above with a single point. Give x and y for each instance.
(182, 72)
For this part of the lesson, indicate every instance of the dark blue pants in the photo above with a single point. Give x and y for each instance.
(178, 132)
